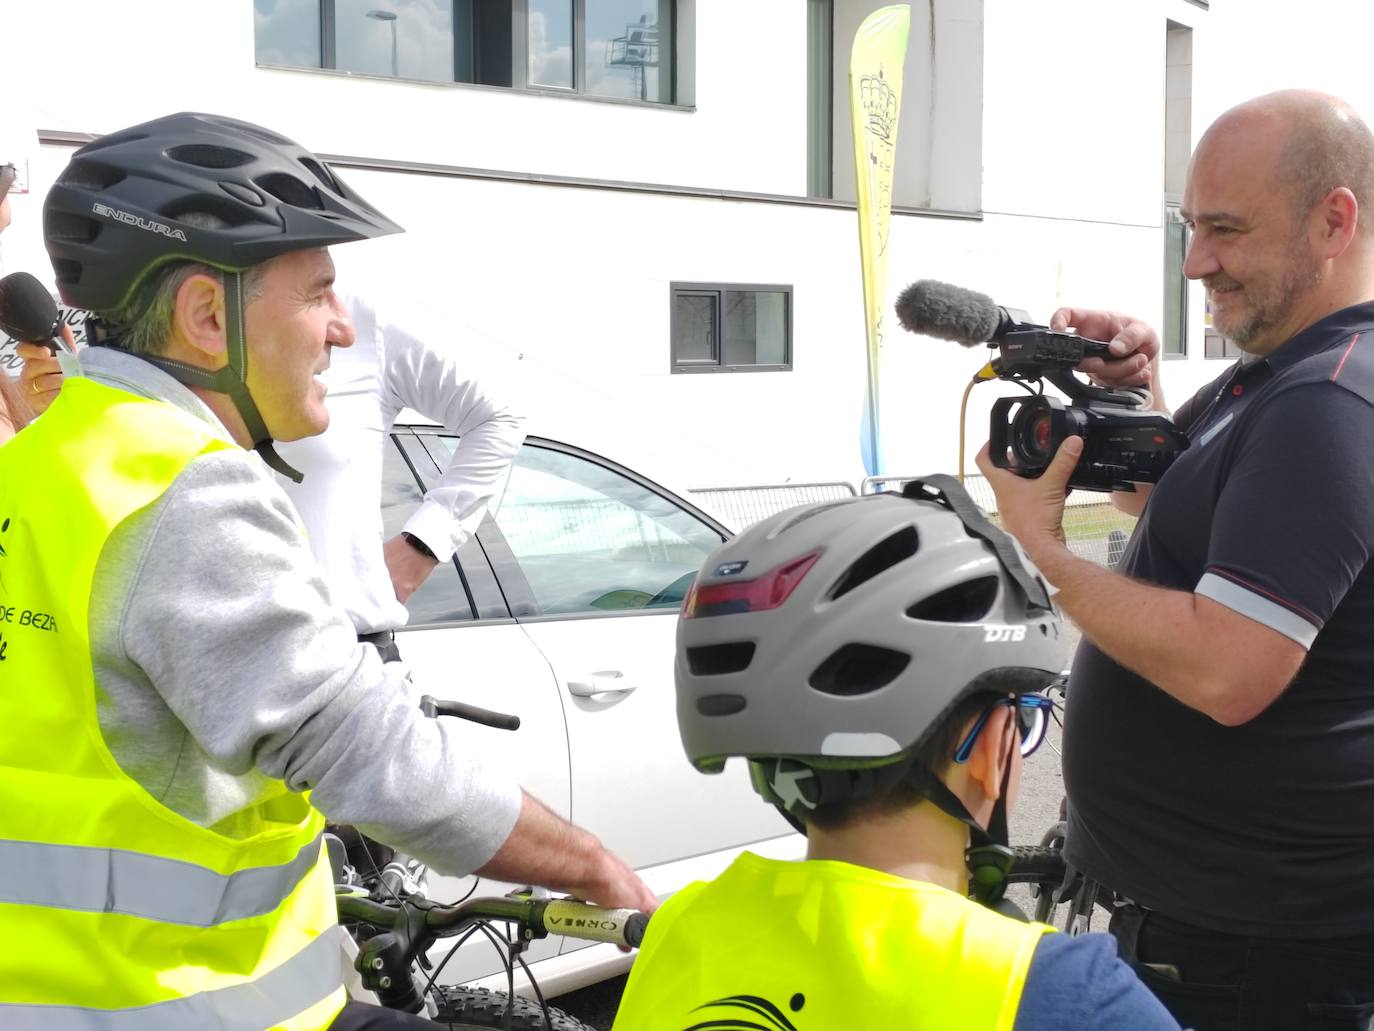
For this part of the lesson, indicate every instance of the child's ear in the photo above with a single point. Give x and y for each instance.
(987, 763)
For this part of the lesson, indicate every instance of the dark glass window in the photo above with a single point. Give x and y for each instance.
(629, 49)
(1175, 285)
(727, 328)
(604, 48)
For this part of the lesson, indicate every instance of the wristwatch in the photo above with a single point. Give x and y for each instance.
(419, 545)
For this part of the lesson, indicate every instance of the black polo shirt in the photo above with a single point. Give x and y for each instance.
(1266, 828)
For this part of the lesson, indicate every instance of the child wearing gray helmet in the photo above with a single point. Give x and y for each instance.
(878, 662)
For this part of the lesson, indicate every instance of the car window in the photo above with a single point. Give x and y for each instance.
(441, 598)
(590, 539)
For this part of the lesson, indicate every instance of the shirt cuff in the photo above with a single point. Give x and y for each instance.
(1256, 606)
(435, 525)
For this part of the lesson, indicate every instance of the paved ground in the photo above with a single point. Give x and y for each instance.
(1042, 787)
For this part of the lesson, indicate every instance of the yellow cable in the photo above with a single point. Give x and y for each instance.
(981, 376)
(963, 419)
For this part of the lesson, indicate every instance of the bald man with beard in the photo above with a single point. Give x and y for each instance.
(1219, 752)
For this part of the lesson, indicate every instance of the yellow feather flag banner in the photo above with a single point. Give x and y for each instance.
(875, 95)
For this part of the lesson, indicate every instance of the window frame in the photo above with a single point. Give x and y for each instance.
(680, 50)
(1173, 218)
(518, 595)
(718, 290)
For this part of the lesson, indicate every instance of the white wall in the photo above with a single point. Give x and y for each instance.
(577, 280)
(748, 131)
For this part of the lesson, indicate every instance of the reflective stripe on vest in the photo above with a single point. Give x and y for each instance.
(299, 983)
(107, 880)
(819, 945)
(129, 914)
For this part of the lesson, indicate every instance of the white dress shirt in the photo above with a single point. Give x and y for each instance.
(401, 359)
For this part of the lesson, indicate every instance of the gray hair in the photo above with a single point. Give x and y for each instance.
(143, 323)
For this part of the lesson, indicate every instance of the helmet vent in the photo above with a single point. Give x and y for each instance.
(858, 669)
(290, 190)
(60, 225)
(67, 271)
(714, 660)
(968, 602)
(203, 155)
(878, 559)
(87, 175)
(322, 174)
(215, 212)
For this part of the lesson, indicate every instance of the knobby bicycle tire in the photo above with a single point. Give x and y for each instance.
(1036, 864)
(479, 1009)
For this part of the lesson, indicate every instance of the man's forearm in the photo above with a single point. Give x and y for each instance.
(547, 850)
(1157, 633)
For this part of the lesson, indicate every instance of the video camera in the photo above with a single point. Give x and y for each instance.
(1123, 442)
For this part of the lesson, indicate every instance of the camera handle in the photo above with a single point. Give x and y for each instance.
(1078, 390)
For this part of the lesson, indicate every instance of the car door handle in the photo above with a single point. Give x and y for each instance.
(603, 682)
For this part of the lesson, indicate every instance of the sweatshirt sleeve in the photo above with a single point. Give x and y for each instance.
(231, 621)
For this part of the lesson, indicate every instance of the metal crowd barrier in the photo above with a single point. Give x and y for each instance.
(1093, 528)
(739, 507)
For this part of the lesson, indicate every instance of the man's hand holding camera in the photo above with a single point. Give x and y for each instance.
(1135, 349)
(1032, 510)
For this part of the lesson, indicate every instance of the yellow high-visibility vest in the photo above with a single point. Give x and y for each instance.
(118, 913)
(826, 946)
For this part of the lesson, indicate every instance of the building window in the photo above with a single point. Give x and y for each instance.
(603, 48)
(731, 328)
(1175, 284)
(820, 95)
(940, 124)
(1178, 141)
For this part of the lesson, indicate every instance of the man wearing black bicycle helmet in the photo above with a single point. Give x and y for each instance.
(878, 662)
(141, 211)
(185, 701)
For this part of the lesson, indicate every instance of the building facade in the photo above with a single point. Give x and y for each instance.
(650, 202)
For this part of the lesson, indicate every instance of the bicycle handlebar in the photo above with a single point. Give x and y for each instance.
(408, 926)
(433, 707)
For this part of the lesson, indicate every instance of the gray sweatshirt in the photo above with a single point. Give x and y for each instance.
(221, 667)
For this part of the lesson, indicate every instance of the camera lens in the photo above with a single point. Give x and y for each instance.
(1040, 431)
(1032, 434)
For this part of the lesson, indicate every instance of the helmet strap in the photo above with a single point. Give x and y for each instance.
(232, 379)
(795, 789)
(948, 491)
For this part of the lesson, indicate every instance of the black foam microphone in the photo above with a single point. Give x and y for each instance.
(28, 312)
(953, 313)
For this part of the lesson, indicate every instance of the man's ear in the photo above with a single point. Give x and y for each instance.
(1340, 213)
(991, 753)
(198, 315)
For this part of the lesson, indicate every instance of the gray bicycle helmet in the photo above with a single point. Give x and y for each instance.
(827, 642)
(116, 214)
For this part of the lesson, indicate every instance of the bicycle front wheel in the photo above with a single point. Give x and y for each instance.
(474, 1009)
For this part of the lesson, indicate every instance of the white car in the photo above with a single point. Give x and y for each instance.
(562, 611)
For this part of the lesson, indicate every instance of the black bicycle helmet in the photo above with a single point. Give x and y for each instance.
(826, 643)
(116, 214)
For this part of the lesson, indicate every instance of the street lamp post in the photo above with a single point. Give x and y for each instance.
(390, 18)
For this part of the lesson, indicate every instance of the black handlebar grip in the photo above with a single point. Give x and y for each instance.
(635, 928)
(433, 707)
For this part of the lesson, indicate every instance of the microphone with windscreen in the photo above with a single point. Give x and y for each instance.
(1123, 444)
(28, 312)
(936, 309)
